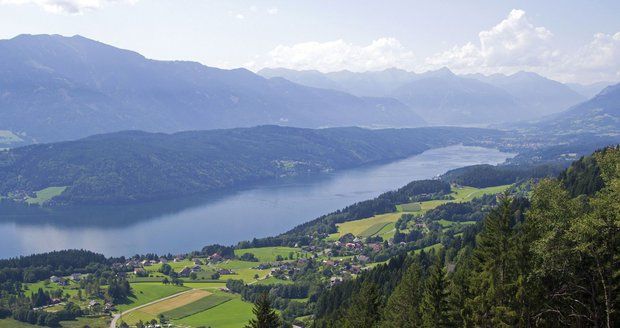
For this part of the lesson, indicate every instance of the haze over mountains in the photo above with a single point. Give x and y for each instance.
(441, 97)
(57, 88)
(599, 115)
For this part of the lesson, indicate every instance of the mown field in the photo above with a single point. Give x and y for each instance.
(44, 195)
(231, 314)
(200, 305)
(146, 292)
(269, 254)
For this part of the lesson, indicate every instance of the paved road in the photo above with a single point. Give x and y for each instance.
(118, 316)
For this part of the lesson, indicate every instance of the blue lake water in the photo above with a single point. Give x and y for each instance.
(186, 224)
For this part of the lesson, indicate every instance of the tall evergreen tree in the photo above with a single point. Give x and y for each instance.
(494, 262)
(434, 306)
(403, 306)
(364, 309)
(266, 316)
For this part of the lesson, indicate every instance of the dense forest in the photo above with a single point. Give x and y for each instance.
(548, 261)
(138, 166)
(485, 175)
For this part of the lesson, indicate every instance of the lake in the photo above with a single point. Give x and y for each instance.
(186, 224)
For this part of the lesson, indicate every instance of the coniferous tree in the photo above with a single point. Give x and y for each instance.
(403, 306)
(434, 306)
(266, 316)
(364, 309)
(494, 262)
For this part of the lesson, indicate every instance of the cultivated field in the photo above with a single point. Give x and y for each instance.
(200, 305)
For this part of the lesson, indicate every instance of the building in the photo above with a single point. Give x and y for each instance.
(185, 272)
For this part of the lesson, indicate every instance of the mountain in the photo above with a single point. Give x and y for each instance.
(537, 95)
(441, 97)
(449, 99)
(136, 166)
(599, 115)
(362, 84)
(589, 90)
(57, 88)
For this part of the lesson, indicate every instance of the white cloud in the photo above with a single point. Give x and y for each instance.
(598, 60)
(239, 16)
(272, 11)
(514, 43)
(339, 55)
(67, 6)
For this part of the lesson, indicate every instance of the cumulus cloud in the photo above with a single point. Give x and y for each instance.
(339, 55)
(67, 6)
(597, 60)
(513, 43)
(272, 11)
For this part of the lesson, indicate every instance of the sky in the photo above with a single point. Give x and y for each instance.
(570, 41)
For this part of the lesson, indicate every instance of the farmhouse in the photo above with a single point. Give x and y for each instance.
(54, 279)
(185, 272)
(215, 257)
(75, 277)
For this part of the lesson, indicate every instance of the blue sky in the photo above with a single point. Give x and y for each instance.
(574, 41)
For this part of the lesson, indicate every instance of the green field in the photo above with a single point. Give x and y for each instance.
(448, 224)
(359, 227)
(46, 194)
(374, 229)
(200, 305)
(269, 254)
(232, 314)
(409, 207)
(435, 247)
(145, 292)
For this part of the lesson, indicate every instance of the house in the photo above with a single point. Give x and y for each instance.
(54, 279)
(225, 271)
(146, 263)
(197, 261)
(185, 272)
(93, 303)
(163, 260)
(376, 247)
(139, 271)
(75, 277)
(363, 258)
(196, 268)
(215, 257)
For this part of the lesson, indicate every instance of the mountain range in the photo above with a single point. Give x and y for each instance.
(442, 97)
(599, 115)
(57, 88)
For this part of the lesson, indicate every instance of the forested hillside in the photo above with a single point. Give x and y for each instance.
(547, 261)
(138, 166)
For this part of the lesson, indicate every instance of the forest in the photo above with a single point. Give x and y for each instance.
(548, 261)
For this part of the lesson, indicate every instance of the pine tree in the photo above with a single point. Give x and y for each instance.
(494, 259)
(434, 306)
(403, 306)
(266, 316)
(364, 309)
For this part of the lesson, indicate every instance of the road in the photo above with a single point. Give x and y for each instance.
(118, 316)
